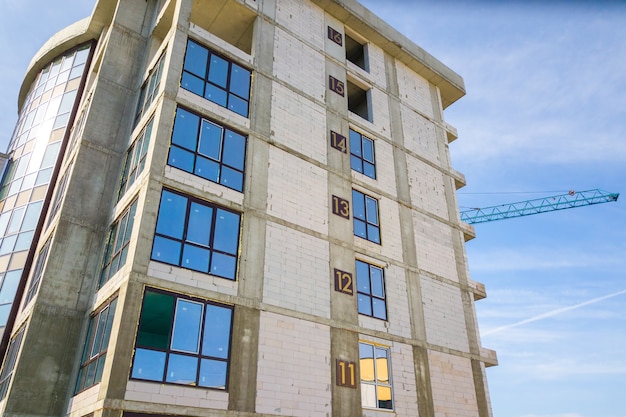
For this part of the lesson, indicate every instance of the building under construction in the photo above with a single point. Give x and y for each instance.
(236, 208)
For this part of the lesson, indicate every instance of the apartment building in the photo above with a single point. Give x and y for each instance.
(236, 208)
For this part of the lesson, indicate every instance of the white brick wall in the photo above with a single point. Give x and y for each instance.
(202, 185)
(443, 314)
(419, 135)
(298, 123)
(297, 273)
(294, 371)
(414, 90)
(192, 278)
(380, 109)
(176, 394)
(299, 65)
(84, 402)
(453, 385)
(302, 17)
(376, 59)
(427, 187)
(403, 376)
(435, 252)
(297, 191)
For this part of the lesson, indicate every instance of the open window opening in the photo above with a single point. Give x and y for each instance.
(359, 101)
(356, 53)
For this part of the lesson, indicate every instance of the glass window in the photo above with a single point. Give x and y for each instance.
(182, 341)
(196, 235)
(365, 214)
(9, 283)
(208, 150)
(117, 244)
(362, 154)
(59, 194)
(135, 159)
(149, 89)
(95, 348)
(375, 372)
(33, 285)
(216, 78)
(9, 362)
(371, 290)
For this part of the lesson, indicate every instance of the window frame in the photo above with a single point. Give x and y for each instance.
(359, 161)
(135, 159)
(10, 360)
(366, 220)
(93, 335)
(205, 158)
(368, 292)
(206, 80)
(151, 85)
(116, 250)
(376, 383)
(185, 241)
(33, 285)
(169, 351)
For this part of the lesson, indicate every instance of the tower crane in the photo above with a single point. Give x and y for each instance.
(541, 205)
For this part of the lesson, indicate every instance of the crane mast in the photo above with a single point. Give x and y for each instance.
(541, 205)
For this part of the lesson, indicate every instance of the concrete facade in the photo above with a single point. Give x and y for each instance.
(279, 264)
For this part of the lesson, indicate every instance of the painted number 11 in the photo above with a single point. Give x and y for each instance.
(346, 374)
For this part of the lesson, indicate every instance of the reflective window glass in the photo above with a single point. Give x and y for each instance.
(95, 347)
(187, 325)
(116, 248)
(191, 360)
(216, 78)
(362, 154)
(196, 59)
(33, 284)
(370, 289)
(365, 217)
(218, 152)
(185, 131)
(172, 212)
(218, 71)
(213, 374)
(135, 158)
(207, 235)
(375, 370)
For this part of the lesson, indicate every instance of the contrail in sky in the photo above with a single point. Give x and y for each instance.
(552, 313)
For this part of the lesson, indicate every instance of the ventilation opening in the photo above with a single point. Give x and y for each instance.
(359, 101)
(356, 53)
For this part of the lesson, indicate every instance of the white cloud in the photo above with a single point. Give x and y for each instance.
(552, 313)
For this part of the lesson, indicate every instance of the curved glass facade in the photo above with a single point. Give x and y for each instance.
(33, 153)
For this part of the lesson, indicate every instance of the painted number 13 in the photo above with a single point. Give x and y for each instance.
(341, 207)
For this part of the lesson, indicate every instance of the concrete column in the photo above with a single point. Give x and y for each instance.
(245, 335)
(409, 250)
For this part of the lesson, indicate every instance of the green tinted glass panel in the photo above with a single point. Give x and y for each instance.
(156, 320)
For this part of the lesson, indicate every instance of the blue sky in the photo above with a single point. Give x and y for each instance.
(544, 111)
